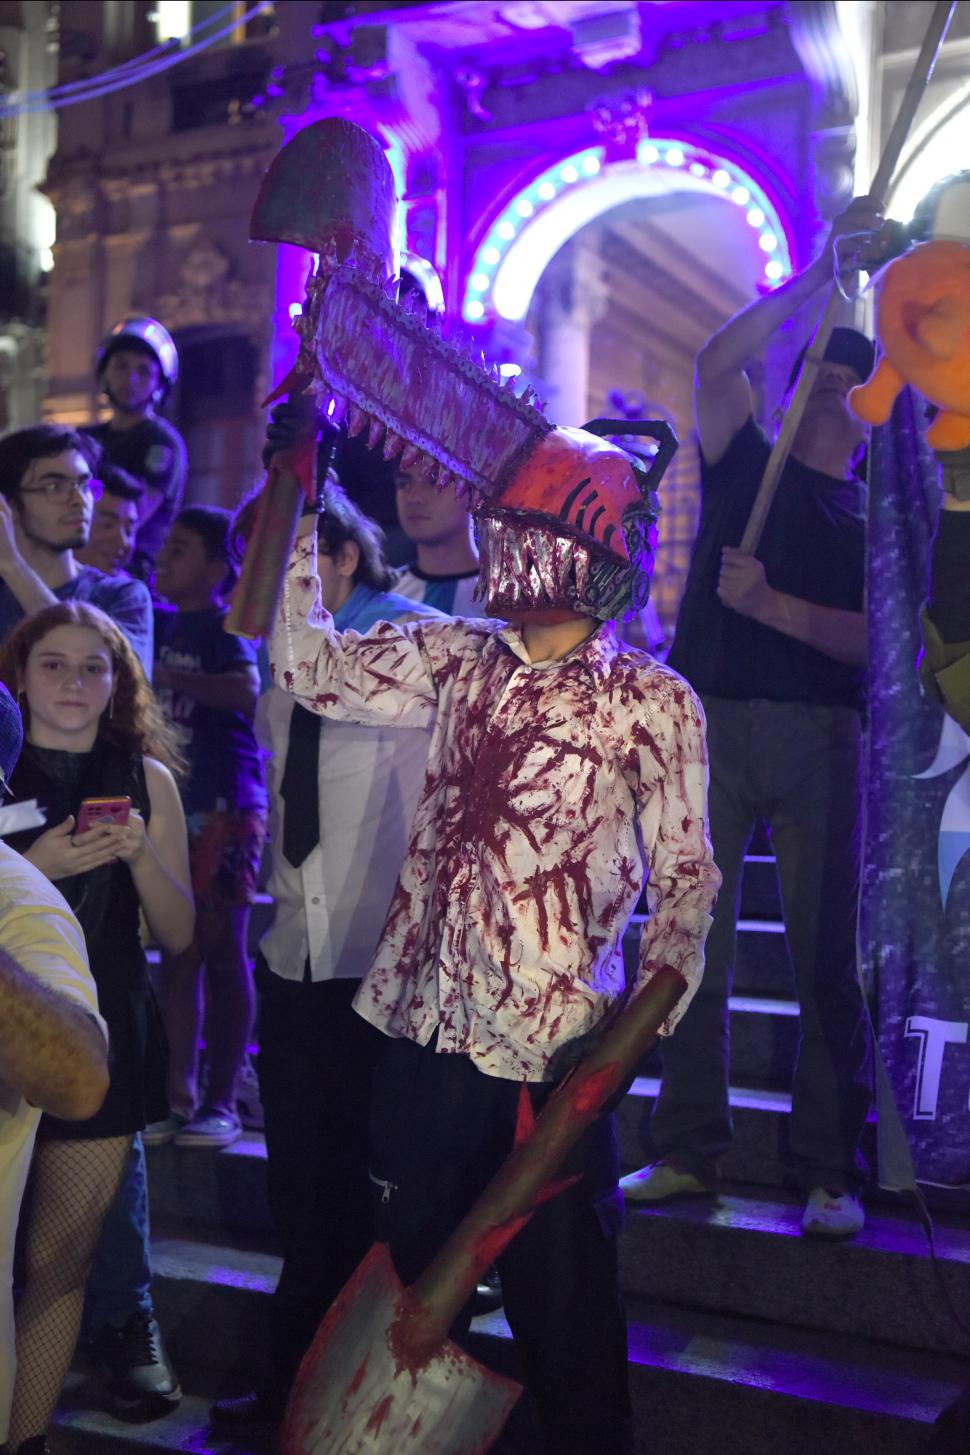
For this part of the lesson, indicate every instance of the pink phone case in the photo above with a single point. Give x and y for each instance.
(102, 810)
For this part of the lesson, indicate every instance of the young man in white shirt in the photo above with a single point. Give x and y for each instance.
(334, 862)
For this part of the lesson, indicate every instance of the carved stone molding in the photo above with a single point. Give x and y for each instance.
(208, 294)
(575, 287)
(822, 50)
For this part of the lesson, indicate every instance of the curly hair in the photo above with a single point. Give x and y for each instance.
(134, 720)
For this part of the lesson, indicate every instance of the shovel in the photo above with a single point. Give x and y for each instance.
(381, 1374)
(329, 189)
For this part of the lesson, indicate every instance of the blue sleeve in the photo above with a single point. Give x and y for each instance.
(128, 603)
(237, 653)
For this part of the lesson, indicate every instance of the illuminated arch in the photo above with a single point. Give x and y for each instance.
(524, 237)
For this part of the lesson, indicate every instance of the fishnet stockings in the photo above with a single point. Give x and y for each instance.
(74, 1184)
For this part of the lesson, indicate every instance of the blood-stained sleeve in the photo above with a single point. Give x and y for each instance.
(683, 878)
(385, 675)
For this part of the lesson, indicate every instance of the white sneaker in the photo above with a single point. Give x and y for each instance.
(830, 1214)
(659, 1182)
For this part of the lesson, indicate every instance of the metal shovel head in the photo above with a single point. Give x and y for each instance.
(330, 186)
(355, 1393)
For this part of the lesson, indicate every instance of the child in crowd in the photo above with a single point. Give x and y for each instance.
(208, 684)
(92, 731)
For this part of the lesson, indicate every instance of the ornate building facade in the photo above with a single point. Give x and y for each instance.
(599, 183)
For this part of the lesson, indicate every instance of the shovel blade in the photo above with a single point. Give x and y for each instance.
(331, 186)
(353, 1395)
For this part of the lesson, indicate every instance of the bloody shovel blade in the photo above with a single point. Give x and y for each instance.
(354, 1396)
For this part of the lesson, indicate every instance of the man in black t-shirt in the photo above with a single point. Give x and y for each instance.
(137, 365)
(776, 645)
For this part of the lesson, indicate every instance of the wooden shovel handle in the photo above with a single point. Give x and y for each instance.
(922, 70)
(255, 600)
(513, 1193)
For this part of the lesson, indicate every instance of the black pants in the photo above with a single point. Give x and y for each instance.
(316, 1059)
(439, 1130)
(798, 766)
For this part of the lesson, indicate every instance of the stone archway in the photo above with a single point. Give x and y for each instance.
(937, 148)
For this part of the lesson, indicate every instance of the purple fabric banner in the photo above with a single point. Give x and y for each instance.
(916, 889)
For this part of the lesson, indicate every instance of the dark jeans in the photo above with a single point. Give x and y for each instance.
(798, 766)
(316, 1058)
(120, 1278)
(439, 1130)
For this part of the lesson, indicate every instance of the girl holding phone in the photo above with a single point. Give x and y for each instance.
(92, 730)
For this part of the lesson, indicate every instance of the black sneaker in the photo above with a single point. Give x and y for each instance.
(142, 1385)
(247, 1409)
(488, 1293)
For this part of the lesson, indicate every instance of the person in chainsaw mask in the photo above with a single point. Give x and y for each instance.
(564, 770)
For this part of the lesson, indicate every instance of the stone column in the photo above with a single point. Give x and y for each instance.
(572, 297)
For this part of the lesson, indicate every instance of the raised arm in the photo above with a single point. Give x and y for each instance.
(722, 395)
(683, 878)
(234, 689)
(52, 1049)
(384, 675)
(129, 604)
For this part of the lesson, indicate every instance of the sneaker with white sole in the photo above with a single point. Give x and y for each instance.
(156, 1134)
(210, 1127)
(659, 1182)
(832, 1214)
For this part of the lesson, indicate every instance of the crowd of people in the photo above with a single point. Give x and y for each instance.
(176, 770)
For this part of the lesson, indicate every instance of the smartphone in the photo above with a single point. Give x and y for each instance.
(102, 810)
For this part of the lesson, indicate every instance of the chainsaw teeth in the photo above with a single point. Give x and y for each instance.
(393, 445)
(338, 410)
(375, 433)
(357, 421)
(446, 480)
(410, 457)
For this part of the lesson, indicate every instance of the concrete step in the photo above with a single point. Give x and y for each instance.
(707, 1384)
(762, 964)
(742, 1253)
(704, 1382)
(764, 1035)
(83, 1428)
(761, 1119)
(197, 1188)
(211, 1295)
(760, 892)
(227, 1189)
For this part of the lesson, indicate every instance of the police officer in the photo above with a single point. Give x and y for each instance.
(137, 365)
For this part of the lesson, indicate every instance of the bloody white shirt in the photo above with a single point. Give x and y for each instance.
(553, 791)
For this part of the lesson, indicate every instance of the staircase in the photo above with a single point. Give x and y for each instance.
(745, 1338)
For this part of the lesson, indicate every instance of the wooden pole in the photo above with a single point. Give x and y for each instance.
(922, 70)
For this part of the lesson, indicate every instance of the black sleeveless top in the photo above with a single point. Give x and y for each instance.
(106, 904)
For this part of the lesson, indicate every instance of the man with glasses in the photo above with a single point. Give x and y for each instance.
(48, 487)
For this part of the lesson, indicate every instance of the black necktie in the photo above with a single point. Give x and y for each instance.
(299, 790)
